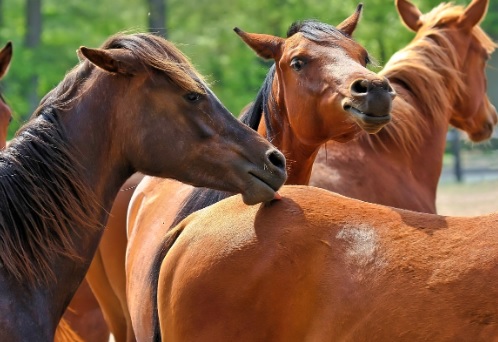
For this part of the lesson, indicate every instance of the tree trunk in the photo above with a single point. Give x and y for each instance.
(1, 13)
(157, 17)
(32, 41)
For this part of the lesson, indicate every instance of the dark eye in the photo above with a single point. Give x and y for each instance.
(297, 63)
(193, 97)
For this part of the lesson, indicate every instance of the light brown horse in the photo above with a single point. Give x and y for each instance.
(440, 80)
(322, 267)
(135, 98)
(317, 266)
(5, 112)
(318, 89)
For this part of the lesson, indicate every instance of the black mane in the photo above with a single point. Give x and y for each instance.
(315, 31)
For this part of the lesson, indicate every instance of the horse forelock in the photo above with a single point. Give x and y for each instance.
(315, 30)
(428, 68)
(42, 199)
(161, 55)
(448, 12)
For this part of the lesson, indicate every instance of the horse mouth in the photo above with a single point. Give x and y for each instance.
(368, 122)
(261, 190)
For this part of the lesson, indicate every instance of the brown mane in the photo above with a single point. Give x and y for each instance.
(42, 195)
(42, 190)
(428, 67)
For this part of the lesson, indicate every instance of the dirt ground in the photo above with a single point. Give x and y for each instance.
(468, 198)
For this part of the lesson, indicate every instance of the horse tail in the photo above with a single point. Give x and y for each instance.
(64, 333)
(168, 241)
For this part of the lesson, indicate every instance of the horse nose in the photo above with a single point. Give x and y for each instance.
(375, 96)
(275, 161)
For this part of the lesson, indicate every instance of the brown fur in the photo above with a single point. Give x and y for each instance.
(42, 194)
(317, 266)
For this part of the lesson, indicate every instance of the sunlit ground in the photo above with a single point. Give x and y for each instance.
(467, 199)
(477, 194)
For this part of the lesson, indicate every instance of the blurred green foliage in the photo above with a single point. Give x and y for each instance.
(202, 29)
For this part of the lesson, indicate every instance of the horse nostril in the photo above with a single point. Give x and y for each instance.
(360, 87)
(276, 158)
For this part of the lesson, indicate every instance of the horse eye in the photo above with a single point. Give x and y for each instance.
(193, 97)
(297, 64)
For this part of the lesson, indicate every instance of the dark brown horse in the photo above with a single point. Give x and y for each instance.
(319, 89)
(125, 104)
(440, 80)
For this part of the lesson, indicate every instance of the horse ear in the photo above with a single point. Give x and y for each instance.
(473, 14)
(266, 46)
(5, 58)
(349, 25)
(410, 14)
(112, 60)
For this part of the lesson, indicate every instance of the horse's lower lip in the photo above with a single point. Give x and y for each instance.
(260, 191)
(369, 123)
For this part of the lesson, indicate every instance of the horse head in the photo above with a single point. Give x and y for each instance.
(323, 80)
(470, 48)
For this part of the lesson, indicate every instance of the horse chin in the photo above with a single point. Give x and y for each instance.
(258, 192)
(480, 136)
(368, 122)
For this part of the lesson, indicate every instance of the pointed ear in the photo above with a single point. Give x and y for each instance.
(116, 61)
(349, 25)
(410, 14)
(5, 58)
(473, 14)
(266, 46)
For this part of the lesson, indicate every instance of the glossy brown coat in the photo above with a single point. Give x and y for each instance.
(317, 266)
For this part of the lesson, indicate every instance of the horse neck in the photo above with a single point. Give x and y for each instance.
(87, 127)
(104, 173)
(300, 157)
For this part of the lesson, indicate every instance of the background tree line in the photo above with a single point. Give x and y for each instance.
(46, 34)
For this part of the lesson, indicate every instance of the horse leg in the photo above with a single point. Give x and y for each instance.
(107, 273)
(108, 300)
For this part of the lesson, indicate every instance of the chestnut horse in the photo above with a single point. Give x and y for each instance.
(5, 112)
(440, 79)
(320, 266)
(317, 266)
(135, 98)
(317, 90)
